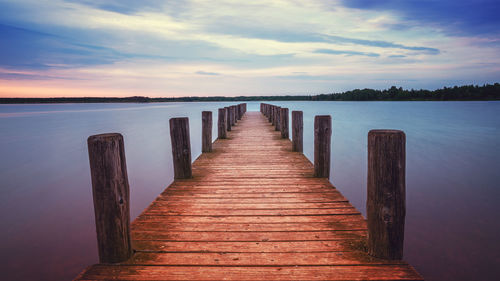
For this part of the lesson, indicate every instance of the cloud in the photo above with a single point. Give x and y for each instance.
(207, 73)
(27, 49)
(349, 53)
(457, 17)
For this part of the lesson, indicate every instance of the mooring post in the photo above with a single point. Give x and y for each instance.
(233, 115)
(385, 205)
(322, 145)
(273, 107)
(240, 111)
(206, 131)
(221, 124)
(110, 190)
(284, 123)
(297, 131)
(181, 147)
(277, 121)
(228, 119)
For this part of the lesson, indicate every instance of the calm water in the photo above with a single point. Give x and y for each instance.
(453, 158)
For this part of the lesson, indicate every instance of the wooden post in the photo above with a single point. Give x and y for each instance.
(206, 131)
(322, 145)
(270, 115)
(181, 147)
(110, 190)
(228, 118)
(277, 121)
(233, 115)
(221, 124)
(385, 206)
(238, 116)
(284, 123)
(297, 131)
(273, 107)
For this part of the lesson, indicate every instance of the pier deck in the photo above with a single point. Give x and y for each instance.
(252, 210)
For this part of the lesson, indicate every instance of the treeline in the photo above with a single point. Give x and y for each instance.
(469, 92)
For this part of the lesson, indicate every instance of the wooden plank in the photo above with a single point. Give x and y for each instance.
(245, 247)
(248, 236)
(256, 259)
(354, 272)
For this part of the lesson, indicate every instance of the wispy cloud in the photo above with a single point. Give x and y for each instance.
(207, 73)
(349, 53)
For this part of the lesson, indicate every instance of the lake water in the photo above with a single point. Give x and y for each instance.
(453, 191)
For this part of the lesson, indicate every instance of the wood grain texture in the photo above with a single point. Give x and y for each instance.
(277, 118)
(206, 131)
(252, 211)
(181, 147)
(297, 131)
(385, 203)
(228, 118)
(110, 190)
(221, 124)
(322, 145)
(284, 123)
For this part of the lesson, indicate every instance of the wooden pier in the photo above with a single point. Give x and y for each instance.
(252, 210)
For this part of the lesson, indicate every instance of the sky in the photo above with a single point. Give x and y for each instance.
(119, 48)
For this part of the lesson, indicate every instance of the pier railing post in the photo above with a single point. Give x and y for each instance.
(322, 145)
(221, 124)
(110, 190)
(228, 119)
(181, 147)
(284, 123)
(385, 204)
(233, 115)
(206, 131)
(271, 117)
(297, 131)
(277, 121)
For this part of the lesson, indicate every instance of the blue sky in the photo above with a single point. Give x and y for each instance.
(207, 48)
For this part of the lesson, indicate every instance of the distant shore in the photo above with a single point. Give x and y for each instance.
(457, 93)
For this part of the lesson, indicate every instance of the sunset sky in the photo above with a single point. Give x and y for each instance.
(110, 48)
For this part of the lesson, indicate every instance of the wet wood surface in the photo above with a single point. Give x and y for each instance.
(253, 210)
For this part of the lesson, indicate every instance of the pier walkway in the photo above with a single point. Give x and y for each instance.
(252, 211)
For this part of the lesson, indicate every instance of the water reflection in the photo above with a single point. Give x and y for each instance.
(452, 161)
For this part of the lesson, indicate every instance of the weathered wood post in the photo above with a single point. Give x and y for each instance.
(221, 124)
(322, 145)
(284, 123)
(181, 147)
(277, 121)
(240, 111)
(271, 117)
(206, 131)
(237, 113)
(110, 190)
(228, 119)
(385, 205)
(297, 131)
(233, 115)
